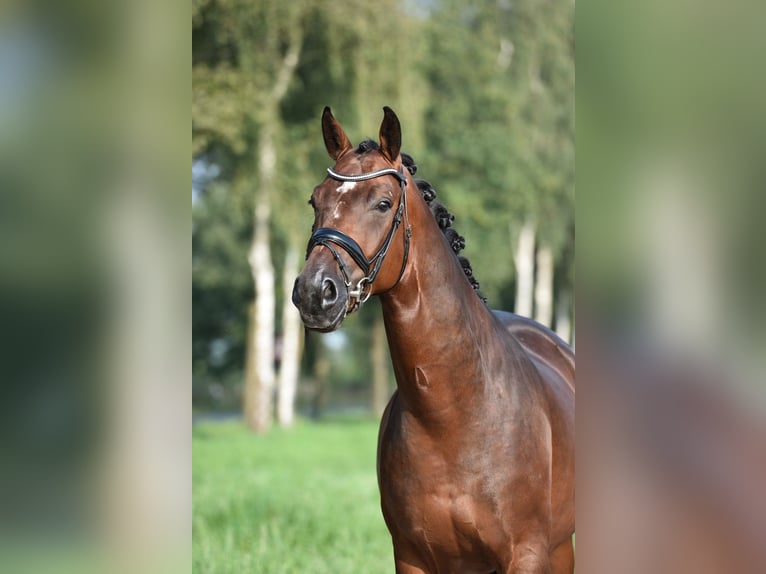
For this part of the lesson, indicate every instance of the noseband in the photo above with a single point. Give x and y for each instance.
(328, 237)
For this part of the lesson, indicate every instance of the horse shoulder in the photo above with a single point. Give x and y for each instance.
(384, 424)
(542, 345)
(555, 362)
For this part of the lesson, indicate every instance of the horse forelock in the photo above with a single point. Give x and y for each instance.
(366, 146)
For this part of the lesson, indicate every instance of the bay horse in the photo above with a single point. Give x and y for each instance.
(476, 446)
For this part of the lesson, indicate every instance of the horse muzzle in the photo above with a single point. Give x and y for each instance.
(321, 299)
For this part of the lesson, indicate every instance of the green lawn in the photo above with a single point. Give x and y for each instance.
(303, 500)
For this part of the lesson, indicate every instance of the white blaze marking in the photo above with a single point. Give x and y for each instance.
(346, 186)
(336, 213)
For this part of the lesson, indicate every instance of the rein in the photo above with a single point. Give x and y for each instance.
(328, 236)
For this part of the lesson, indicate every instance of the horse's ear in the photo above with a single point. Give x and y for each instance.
(390, 135)
(335, 139)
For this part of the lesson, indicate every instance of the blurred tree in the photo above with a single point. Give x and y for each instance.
(221, 290)
(244, 57)
(292, 341)
(500, 126)
(564, 307)
(543, 36)
(524, 258)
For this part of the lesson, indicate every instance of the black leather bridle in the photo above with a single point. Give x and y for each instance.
(330, 237)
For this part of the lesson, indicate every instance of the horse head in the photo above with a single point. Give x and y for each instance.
(360, 237)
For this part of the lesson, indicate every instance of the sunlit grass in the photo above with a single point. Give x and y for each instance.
(303, 500)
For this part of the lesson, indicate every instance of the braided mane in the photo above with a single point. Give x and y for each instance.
(442, 216)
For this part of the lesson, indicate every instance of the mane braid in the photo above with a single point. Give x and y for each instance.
(444, 220)
(442, 216)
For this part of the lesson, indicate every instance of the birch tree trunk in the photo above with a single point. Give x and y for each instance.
(292, 335)
(544, 286)
(563, 317)
(251, 377)
(524, 259)
(378, 357)
(259, 384)
(259, 380)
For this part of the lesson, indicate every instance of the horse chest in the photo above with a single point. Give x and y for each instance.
(440, 506)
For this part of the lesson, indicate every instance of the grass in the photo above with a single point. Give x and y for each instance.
(299, 500)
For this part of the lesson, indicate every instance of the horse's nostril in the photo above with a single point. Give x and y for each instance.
(296, 294)
(329, 292)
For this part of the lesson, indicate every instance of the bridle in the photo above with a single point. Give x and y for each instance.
(328, 237)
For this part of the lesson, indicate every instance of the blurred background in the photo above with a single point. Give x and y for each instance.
(96, 371)
(95, 368)
(485, 94)
(671, 432)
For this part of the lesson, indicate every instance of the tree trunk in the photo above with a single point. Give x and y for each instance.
(249, 392)
(544, 286)
(379, 360)
(292, 335)
(259, 386)
(563, 318)
(525, 269)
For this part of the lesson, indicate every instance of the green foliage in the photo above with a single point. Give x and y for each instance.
(501, 120)
(220, 103)
(484, 90)
(304, 500)
(221, 286)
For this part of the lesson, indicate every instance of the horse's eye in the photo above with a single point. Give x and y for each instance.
(383, 206)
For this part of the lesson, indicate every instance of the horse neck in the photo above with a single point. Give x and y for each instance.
(439, 331)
